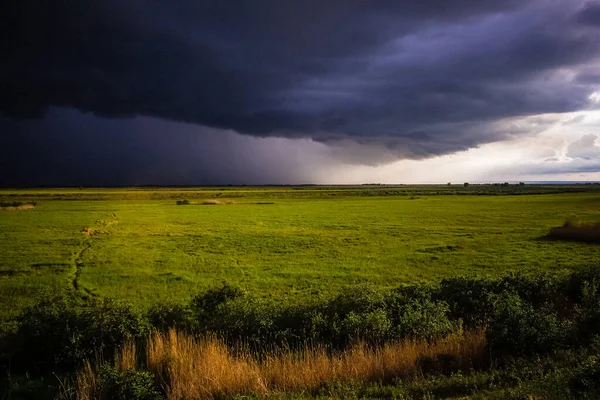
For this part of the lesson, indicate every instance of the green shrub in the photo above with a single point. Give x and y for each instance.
(52, 333)
(126, 385)
(539, 289)
(247, 320)
(323, 328)
(165, 316)
(583, 285)
(213, 298)
(587, 323)
(473, 299)
(425, 319)
(586, 379)
(25, 388)
(518, 329)
(373, 327)
(112, 323)
(469, 299)
(60, 334)
(358, 299)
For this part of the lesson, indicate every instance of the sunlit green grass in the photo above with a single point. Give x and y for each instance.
(147, 251)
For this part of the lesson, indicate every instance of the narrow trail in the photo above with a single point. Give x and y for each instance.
(78, 257)
(78, 262)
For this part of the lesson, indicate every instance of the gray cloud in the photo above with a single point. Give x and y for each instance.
(590, 14)
(357, 69)
(586, 148)
(373, 80)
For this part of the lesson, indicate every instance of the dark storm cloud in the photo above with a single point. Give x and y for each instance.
(70, 148)
(590, 14)
(418, 78)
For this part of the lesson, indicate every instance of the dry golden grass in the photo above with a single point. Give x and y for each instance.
(205, 368)
(217, 202)
(88, 232)
(86, 384)
(19, 207)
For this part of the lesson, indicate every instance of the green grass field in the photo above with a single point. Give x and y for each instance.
(138, 245)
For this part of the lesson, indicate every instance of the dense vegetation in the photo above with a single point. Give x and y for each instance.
(293, 192)
(537, 327)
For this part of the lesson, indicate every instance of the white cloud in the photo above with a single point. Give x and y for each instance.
(559, 147)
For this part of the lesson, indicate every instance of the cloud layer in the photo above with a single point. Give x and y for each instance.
(420, 78)
(289, 91)
(70, 148)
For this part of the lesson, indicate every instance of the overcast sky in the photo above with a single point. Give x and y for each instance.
(111, 92)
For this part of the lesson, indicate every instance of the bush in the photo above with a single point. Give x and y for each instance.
(126, 385)
(60, 334)
(245, 320)
(517, 329)
(587, 323)
(424, 320)
(473, 299)
(112, 324)
(166, 316)
(583, 285)
(52, 333)
(537, 289)
(359, 299)
(372, 327)
(209, 302)
(469, 299)
(586, 378)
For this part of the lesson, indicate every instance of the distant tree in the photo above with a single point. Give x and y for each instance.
(449, 183)
(466, 184)
(505, 184)
(521, 183)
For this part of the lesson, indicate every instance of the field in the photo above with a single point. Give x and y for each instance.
(295, 243)
(407, 292)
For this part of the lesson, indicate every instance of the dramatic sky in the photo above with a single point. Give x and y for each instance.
(113, 92)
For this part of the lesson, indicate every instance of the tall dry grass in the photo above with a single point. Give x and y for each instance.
(205, 368)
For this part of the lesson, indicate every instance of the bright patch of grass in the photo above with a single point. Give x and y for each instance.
(278, 242)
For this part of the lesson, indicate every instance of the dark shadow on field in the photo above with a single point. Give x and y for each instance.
(575, 232)
(51, 265)
(461, 246)
(33, 270)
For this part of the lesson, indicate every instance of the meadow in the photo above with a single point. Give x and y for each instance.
(400, 292)
(284, 243)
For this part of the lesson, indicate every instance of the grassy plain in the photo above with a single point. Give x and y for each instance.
(282, 242)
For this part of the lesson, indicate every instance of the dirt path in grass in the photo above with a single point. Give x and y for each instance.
(78, 258)
(78, 263)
